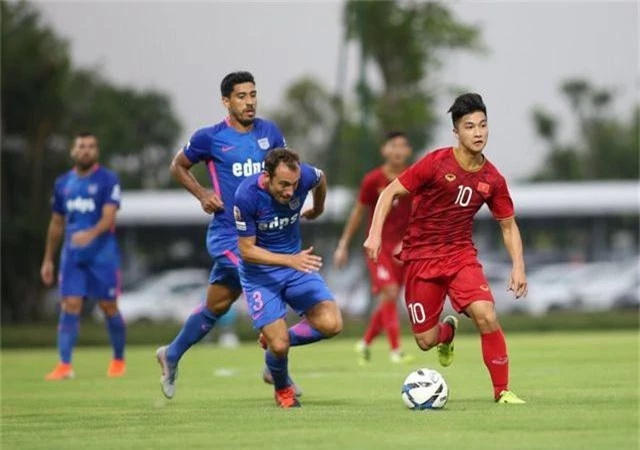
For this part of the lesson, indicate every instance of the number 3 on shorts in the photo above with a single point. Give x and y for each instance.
(416, 313)
(256, 301)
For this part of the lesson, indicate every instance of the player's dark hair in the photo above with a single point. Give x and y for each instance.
(394, 134)
(466, 104)
(228, 82)
(84, 134)
(281, 155)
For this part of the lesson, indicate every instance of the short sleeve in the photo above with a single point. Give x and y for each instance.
(244, 214)
(500, 202)
(278, 139)
(199, 147)
(310, 176)
(57, 200)
(368, 194)
(111, 190)
(418, 175)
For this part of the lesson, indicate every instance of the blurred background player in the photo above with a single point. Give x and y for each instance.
(449, 186)
(85, 202)
(233, 149)
(275, 271)
(386, 274)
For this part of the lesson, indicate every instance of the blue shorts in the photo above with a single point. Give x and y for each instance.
(96, 280)
(225, 269)
(268, 303)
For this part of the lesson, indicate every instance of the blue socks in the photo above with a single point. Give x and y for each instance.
(195, 328)
(117, 334)
(279, 368)
(68, 327)
(303, 333)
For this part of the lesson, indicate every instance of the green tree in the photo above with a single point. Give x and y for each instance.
(137, 129)
(44, 101)
(407, 42)
(35, 71)
(306, 113)
(605, 146)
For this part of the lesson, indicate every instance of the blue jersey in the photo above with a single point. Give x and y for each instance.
(80, 200)
(275, 226)
(231, 156)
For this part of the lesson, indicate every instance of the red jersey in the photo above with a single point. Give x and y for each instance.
(396, 223)
(446, 198)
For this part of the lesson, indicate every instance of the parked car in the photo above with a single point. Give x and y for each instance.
(629, 299)
(169, 296)
(552, 286)
(600, 292)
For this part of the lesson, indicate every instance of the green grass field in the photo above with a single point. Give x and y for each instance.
(582, 390)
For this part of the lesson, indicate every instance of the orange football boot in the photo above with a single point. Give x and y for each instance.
(62, 371)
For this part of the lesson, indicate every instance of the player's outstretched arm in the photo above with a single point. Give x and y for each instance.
(319, 197)
(374, 240)
(181, 171)
(341, 254)
(54, 236)
(305, 261)
(513, 243)
(107, 222)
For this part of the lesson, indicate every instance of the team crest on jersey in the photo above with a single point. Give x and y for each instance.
(450, 177)
(263, 143)
(294, 203)
(92, 189)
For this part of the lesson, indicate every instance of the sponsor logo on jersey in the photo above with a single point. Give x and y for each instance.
(226, 148)
(92, 189)
(247, 168)
(294, 203)
(484, 287)
(483, 187)
(277, 223)
(450, 177)
(263, 143)
(81, 205)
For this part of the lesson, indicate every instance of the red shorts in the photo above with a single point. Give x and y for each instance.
(387, 270)
(428, 282)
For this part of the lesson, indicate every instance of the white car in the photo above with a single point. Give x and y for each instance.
(169, 296)
(553, 286)
(602, 290)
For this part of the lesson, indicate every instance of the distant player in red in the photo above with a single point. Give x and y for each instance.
(387, 273)
(449, 186)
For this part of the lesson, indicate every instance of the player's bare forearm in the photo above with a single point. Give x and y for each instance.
(513, 241)
(181, 171)
(320, 195)
(305, 261)
(383, 206)
(253, 254)
(55, 232)
(108, 220)
(352, 225)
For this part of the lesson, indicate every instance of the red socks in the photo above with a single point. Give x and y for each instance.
(375, 326)
(494, 353)
(384, 317)
(445, 333)
(391, 323)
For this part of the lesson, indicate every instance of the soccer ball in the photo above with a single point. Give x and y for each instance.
(425, 389)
